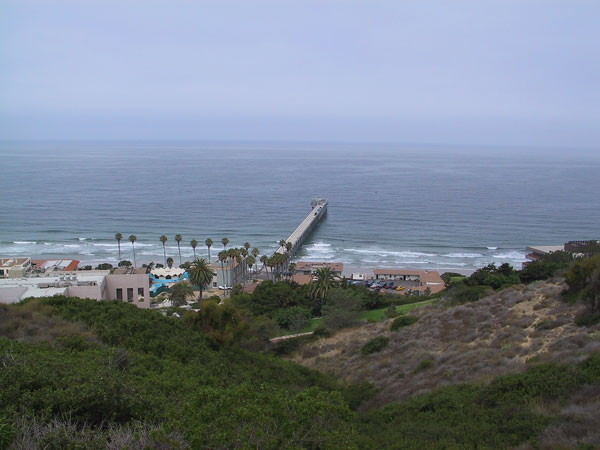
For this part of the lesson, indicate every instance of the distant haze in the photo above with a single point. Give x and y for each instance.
(461, 72)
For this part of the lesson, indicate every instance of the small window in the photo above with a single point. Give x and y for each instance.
(129, 294)
(214, 284)
(119, 294)
(140, 292)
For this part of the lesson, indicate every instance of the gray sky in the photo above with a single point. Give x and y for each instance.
(489, 72)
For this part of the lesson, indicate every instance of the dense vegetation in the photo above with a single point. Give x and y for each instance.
(84, 374)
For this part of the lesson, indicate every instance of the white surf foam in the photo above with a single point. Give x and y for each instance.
(463, 255)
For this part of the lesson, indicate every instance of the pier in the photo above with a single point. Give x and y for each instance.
(302, 231)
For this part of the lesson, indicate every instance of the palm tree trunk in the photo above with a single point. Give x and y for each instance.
(165, 253)
(194, 254)
(134, 261)
(119, 244)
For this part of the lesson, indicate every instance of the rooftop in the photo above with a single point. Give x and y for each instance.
(13, 262)
(544, 249)
(399, 272)
(62, 265)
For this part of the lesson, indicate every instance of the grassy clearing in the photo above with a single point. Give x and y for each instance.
(376, 315)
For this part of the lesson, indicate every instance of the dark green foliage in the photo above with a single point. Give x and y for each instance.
(495, 416)
(269, 297)
(462, 293)
(451, 277)
(293, 318)
(374, 345)
(402, 321)
(424, 365)
(163, 380)
(7, 433)
(495, 277)
(237, 289)
(586, 318)
(341, 309)
(104, 266)
(391, 312)
(322, 331)
(125, 263)
(583, 279)
(156, 369)
(546, 267)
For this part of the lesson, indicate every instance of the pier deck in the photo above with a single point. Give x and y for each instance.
(299, 235)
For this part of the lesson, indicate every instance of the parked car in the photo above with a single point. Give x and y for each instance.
(399, 288)
(225, 288)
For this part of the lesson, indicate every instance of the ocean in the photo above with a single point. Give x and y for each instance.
(408, 206)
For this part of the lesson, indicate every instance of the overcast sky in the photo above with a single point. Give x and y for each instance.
(458, 72)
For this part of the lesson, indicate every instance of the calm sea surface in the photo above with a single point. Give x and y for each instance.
(398, 206)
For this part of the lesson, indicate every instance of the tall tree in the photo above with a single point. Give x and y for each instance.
(323, 280)
(132, 239)
(282, 244)
(163, 239)
(194, 244)
(224, 241)
(208, 243)
(201, 274)
(222, 256)
(247, 246)
(179, 292)
(118, 237)
(169, 262)
(255, 252)
(250, 261)
(265, 259)
(178, 239)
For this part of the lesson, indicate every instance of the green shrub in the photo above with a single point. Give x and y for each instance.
(586, 318)
(402, 321)
(374, 345)
(7, 433)
(391, 312)
(424, 365)
(322, 331)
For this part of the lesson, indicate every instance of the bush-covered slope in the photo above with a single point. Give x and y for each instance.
(149, 368)
(500, 334)
(91, 375)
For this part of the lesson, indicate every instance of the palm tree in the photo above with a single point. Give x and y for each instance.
(209, 244)
(179, 292)
(292, 269)
(132, 239)
(200, 274)
(194, 244)
(178, 238)
(223, 257)
(118, 237)
(224, 241)
(170, 262)
(250, 260)
(288, 246)
(323, 280)
(163, 239)
(264, 259)
(282, 243)
(255, 252)
(247, 245)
